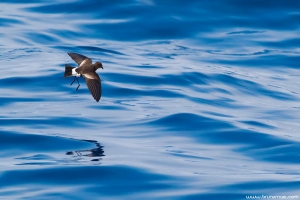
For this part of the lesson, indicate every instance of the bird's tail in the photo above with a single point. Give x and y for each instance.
(68, 71)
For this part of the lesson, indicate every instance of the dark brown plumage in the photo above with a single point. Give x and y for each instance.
(87, 69)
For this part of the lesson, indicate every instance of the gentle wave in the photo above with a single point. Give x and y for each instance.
(199, 99)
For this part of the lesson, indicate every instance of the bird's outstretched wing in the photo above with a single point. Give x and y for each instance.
(80, 59)
(93, 82)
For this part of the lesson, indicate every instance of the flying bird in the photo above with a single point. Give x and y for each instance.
(87, 69)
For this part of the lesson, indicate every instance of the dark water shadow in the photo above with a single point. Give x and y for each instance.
(93, 49)
(27, 142)
(14, 144)
(255, 144)
(81, 181)
(174, 19)
(50, 83)
(9, 22)
(47, 121)
(252, 88)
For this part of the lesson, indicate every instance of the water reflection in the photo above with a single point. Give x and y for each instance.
(96, 152)
(43, 156)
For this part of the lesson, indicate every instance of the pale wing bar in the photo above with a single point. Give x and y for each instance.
(94, 86)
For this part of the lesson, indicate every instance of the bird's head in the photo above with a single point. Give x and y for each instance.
(98, 65)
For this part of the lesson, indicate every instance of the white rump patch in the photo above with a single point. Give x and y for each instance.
(74, 73)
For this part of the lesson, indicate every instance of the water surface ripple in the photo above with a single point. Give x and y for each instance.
(200, 99)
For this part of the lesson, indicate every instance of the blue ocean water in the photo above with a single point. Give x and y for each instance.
(200, 99)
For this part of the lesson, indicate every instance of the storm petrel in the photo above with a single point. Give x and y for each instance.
(87, 69)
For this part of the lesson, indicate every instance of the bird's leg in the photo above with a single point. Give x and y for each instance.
(78, 84)
(73, 80)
